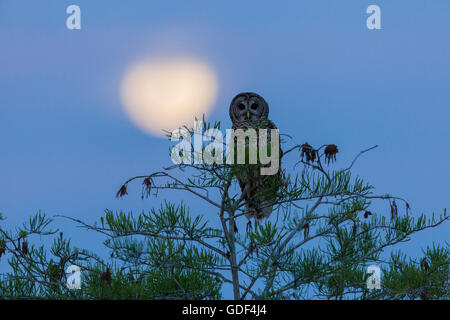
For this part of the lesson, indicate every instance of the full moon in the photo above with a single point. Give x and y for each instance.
(162, 95)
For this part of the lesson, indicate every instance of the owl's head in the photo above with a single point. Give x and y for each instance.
(248, 106)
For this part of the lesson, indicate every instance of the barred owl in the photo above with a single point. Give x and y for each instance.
(250, 110)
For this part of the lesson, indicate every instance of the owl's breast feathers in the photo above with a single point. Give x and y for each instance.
(259, 192)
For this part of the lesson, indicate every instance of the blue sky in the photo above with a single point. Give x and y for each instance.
(66, 144)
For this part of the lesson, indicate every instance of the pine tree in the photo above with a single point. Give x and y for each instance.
(318, 244)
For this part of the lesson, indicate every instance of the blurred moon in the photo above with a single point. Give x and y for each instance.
(167, 94)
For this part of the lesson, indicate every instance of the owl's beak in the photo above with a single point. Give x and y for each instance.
(248, 114)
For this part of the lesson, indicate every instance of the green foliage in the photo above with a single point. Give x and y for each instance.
(138, 268)
(323, 234)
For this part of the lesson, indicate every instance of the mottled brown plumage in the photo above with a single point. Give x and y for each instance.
(249, 110)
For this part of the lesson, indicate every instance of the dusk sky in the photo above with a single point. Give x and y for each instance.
(67, 145)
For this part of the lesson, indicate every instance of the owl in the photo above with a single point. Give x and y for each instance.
(250, 110)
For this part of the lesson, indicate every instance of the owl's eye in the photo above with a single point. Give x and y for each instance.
(254, 106)
(241, 106)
